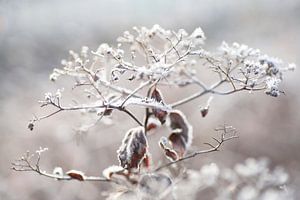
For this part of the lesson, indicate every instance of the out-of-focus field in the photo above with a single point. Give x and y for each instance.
(36, 35)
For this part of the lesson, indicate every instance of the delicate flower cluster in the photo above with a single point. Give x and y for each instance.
(172, 57)
(257, 69)
(41, 150)
(51, 98)
(109, 60)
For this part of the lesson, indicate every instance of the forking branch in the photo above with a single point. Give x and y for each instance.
(27, 164)
(226, 130)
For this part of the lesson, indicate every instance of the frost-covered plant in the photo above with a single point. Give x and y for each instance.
(134, 73)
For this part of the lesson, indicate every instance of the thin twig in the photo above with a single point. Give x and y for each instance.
(64, 177)
(103, 105)
(91, 79)
(196, 95)
(196, 153)
(24, 164)
(196, 80)
(119, 89)
(135, 91)
(173, 47)
(132, 116)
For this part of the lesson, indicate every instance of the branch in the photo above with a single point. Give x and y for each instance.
(196, 80)
(220, 142)
(25, 163)
(107, 84)
(197, 95)
(132, 116)
(173, 46)
(213, 91)
(117, 106)
(180, 58)
(135, 91)
(92, 79)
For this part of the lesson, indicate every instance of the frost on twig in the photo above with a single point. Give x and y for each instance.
(167, 58)
(31, 163)
(135, 73)
(227, 133)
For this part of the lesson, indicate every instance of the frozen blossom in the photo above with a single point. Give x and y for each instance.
(198, 33)
(260, 71)
(50, 98)
(272, 84)
(238, 51)
(197, 37)
(58, 171)
(155, 53)
(41, 150)
(84, 51)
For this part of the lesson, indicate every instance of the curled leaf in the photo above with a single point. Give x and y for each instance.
(182, 132)
(160, 114)
(75, 174)
(133, 149)
(107, 111)
(111, 170)
(169, 152)
(153, 123)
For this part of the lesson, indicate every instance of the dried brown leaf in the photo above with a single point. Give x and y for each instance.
(75, 174)
(181, 136)
(204, 111)
(107, 112)
(169, 152)
(178, 143)
(30, 126)
(160, 114)
(111, 170)
(133, 149)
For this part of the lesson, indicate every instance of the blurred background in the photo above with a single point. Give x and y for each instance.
(36, 34)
